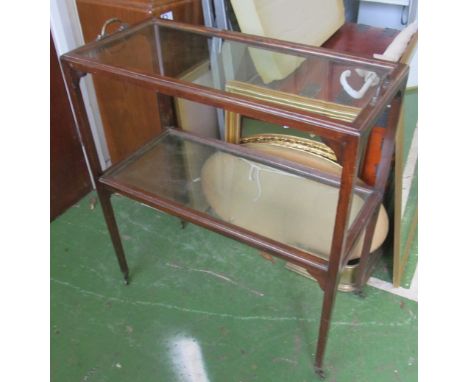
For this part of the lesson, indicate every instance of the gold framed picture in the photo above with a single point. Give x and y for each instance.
(233, 121)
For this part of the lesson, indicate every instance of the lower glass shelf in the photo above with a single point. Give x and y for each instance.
(269, 203)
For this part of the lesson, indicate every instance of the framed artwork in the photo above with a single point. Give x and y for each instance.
(326, 108)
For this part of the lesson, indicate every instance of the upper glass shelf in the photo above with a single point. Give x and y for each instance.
(312, 80)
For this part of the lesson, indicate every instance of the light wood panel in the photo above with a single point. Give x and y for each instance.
(130, 115)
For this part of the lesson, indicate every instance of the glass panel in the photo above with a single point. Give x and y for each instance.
(285, 207)
(309, 82)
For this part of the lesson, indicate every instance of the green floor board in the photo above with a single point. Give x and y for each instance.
(252, 319)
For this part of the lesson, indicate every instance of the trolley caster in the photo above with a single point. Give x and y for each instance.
(320, 372)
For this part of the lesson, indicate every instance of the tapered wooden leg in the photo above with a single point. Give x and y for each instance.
(325, 319)
(383, 171)
(105, 200)
(348, 177)
(365, 255)
(72, 78)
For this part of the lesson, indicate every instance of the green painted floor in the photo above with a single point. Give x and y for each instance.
(200, 304)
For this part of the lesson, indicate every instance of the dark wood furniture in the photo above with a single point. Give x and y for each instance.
(166, 185)
(69, 177)
(130, 116)
(361, 40)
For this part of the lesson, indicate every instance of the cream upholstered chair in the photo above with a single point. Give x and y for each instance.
(276, 204)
